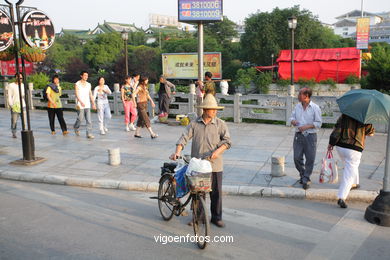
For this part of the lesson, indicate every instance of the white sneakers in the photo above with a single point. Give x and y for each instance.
(130, 127)
(102, 132)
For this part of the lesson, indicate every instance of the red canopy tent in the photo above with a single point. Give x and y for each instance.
(320, 64)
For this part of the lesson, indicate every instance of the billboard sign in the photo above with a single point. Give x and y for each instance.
(200, 10)
(185, 65)
(6, 31)
(163, 20)
(362, 33)
(8, 68)
(38, 30)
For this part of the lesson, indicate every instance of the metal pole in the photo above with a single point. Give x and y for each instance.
(386, 177)
(126, 57)
(200, 51)
(26, 89)
(292, 57)
(362, 8)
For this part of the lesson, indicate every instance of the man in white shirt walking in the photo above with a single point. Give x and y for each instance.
(306, 117)
(14, 102)
(84, 98)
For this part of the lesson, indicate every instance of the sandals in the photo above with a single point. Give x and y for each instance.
(154, 136)
(137, 136)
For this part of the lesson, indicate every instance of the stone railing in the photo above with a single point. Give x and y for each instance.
(237, 107)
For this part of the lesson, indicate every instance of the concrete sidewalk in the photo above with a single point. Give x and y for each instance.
(76, 160)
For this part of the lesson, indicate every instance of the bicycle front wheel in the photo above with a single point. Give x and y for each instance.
(166, 197)
(200, 221)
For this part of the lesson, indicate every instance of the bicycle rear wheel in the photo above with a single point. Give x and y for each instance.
(200, 221)
(166, 197)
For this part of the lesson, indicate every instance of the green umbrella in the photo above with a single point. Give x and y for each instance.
(366, 106)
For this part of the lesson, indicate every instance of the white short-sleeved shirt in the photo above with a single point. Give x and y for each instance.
(102, 98)
(83, 93)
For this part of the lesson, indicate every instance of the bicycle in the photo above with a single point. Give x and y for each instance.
(170, 205)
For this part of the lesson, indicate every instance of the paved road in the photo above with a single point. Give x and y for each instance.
(248, 162)
(39, 221)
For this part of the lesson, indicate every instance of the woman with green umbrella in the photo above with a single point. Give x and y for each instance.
(360, 109)
(349, 138)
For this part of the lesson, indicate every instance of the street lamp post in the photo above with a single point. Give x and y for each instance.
(292, 24)
(125, 38)
(272, 65)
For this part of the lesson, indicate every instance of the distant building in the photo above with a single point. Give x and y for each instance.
(379, 25)
(106, 27)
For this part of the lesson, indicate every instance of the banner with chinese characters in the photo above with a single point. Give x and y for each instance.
(185, 65)
(362, 33)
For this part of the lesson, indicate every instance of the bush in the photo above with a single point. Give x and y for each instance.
(364, 82)
(67, 85)
(328, 81)
(40, 80)
(307, 82)
(352, 79)
(180, 88)
(262, 82)
(283, 82)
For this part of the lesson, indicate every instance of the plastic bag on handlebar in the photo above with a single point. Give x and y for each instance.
(198, 166)
(181, 182)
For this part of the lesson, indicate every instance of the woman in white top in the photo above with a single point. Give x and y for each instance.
(101, 92)
(14, 102)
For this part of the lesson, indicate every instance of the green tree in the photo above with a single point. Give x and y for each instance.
(104, 50)
(379, 68)
(267, 33)
(223, 31)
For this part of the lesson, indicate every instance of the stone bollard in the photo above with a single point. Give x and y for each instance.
(114, 156)
(277, 166)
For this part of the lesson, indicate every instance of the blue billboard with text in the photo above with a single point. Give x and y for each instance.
(200, 10)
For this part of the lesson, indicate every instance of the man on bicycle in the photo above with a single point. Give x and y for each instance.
(210, 138)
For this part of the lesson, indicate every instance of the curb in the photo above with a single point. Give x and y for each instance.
(241, 190)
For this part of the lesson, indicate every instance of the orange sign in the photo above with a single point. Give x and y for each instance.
(362, 33)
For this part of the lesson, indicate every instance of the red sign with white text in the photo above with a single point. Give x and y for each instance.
(8, 68)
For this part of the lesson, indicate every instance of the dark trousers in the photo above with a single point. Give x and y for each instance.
(305, 146)
(216, 196)
(52, 112)
(163, 103)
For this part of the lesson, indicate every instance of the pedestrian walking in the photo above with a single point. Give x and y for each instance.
(129, 105)
(349, 137)
(101, 92)
(210, 138)
(14, 101)
(165, 92)
(54, 105)
(306, 117)
(84, 99)
(143, 97)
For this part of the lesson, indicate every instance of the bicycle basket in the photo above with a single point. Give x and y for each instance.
(199, 181)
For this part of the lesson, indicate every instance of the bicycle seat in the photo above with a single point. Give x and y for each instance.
(169, 167)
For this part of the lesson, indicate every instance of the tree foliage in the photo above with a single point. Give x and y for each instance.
(268, 33)
(223, 31)
(103, 50)
(379, 68)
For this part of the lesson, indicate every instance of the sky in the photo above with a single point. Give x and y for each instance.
(86, 14)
